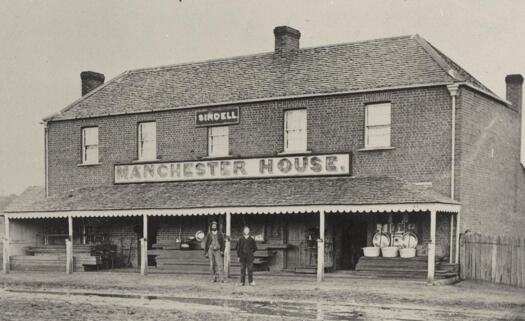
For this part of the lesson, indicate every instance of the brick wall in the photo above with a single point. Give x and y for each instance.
(420, 135)
(492, 185)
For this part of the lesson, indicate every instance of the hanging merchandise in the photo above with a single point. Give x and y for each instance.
(410, 240)
(381, 239)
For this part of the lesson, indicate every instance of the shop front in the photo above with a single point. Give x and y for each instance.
(301, 225)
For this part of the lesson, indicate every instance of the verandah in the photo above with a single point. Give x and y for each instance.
(322, 211)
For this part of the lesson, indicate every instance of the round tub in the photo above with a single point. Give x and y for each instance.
(371, 251)
(390, 251)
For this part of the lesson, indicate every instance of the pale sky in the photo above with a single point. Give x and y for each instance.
(44, 45)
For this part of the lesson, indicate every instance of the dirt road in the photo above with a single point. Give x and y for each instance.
(126, 296)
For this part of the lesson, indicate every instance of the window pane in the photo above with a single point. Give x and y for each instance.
(218, 141)
(90, 136)
(90, 145)
(91, 154)
(148, 131)
(296, 141)
(147, 144)
(149, 150)
(295, 119)
(295, 130)
(378, 136)
(378, 114)
(219, 131)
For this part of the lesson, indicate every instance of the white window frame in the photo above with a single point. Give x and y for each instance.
(90, 147)
(218, 141)
(295, 138)
(141, 142)
(385, 125)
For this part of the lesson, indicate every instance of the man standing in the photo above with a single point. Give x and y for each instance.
(214, 250)
(246, 248)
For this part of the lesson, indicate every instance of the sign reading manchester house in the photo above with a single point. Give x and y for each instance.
(311, 165)
(217, 117)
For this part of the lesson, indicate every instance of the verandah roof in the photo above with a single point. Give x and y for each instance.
(278, 195)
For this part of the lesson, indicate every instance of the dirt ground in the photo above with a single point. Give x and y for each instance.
(129, 296)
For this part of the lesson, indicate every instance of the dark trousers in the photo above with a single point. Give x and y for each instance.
(246, 265)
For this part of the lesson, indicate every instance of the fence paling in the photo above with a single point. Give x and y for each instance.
(495, 259)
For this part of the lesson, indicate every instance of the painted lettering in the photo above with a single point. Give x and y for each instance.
(187, 170)
(175, 170)
(300, 168)
(284, 165)
(200, 169)
(149, 170)
(135, 172)
(122, 172)
(315, 163)
(266, 165)
(330, 166)
(238, 166)
(212, 166)
(225, 170)
(162, 170)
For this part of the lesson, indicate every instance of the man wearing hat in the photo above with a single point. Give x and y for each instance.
(214, 250)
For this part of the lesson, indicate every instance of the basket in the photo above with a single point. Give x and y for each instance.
(390, 251)
(371, 251)
(407, 253)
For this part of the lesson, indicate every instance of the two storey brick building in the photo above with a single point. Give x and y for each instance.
(316, 149)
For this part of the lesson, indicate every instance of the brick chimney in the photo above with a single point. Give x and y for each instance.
(286, 39)
(90, 81)
(515, 91)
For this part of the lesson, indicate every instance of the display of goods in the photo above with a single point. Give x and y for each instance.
(381, 239)
(199, 236)
(398, 241)
(390, 251)
(371, 251)
(410, 240)
(407, 252)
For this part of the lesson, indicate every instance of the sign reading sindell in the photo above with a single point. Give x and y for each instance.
(217, 117)
(311, 165)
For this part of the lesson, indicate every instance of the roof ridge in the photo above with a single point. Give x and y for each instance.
(164, 67)
(462, 70)
(452, 68)
(81, 98)
(431, 51)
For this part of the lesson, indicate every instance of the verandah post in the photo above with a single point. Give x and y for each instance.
(320, 247)
(69, 246)
(432, 247)
(458, 221)
(7, 240)
(227, 250)
(451, 245)
(144, 247)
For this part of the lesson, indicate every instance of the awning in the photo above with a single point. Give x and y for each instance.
(256, 196)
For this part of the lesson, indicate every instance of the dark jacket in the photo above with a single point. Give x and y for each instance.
(246, 247)
(209, 238)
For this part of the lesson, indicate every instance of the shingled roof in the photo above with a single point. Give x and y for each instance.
(254, 192)
(375, 64)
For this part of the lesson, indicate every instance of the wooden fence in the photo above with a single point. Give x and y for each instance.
(493, 259)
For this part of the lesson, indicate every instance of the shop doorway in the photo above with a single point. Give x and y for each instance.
(350, 236)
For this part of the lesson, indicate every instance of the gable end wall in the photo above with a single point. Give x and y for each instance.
(491, 178)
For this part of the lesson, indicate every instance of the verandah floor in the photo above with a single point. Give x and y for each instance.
(344, 274)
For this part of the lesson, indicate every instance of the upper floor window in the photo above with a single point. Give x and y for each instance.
(218, 141)
(90, 145)
(147, 141)
(377, 125)
(295, 130)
